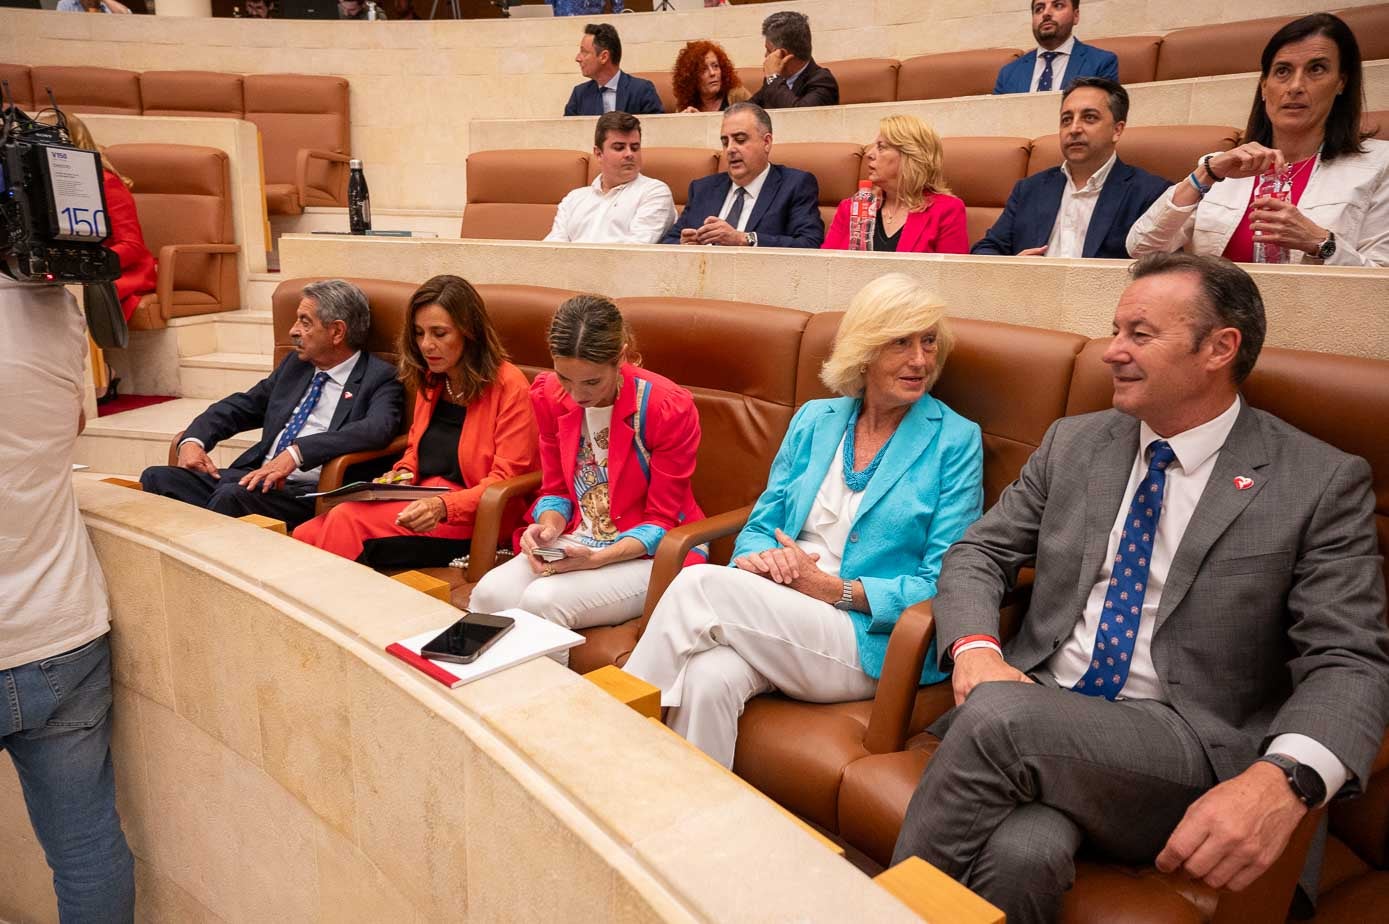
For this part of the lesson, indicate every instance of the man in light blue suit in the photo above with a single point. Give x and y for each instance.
(1059, 55)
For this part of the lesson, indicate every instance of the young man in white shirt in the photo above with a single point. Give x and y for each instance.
(620, 206)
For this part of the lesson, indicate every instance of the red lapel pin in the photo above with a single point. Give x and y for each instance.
(347, 396)
(1243, 483)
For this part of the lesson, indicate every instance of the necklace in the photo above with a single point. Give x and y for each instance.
(455, 398)
(857, 481)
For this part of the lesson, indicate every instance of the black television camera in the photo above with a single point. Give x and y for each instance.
(52, 203)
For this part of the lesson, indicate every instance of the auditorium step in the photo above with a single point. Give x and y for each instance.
(125, 444)
(260, 289)
(245, 331)
(216, 375)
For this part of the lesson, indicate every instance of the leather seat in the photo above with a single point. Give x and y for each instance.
(1217, 48)
(183, 197)
(513, 194)
(865, 80)
(665, 87)
(1168, 151)
(1371, 27)
(982, 172)
(305, 138)
(21, 90)
(954, 73)
(105, 90)
(676, 167)
(1138, 55)
(835, 164)
(205, 94)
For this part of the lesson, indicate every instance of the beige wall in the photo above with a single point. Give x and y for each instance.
(1346, 314)
(275, 764)
(416, 86)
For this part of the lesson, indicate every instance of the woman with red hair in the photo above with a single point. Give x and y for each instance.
(704, 79)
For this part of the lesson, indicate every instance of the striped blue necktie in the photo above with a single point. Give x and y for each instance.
(301, 413)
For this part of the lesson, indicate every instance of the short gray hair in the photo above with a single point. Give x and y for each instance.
(764, 121)
(789, 30)
(340, 300)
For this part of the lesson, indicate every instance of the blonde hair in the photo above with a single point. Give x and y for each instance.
(891, 306)
(923, 163)
(82, 138)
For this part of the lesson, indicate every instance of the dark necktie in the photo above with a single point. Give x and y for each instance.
(609, 101)
(1123, 602)
(736, 213)
(1044, 82)
(301, 414)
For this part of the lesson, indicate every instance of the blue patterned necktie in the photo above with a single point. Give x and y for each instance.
(301, 414)
(1123, 602)
(1044, 82)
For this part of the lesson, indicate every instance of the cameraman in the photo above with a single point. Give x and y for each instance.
(55, 659)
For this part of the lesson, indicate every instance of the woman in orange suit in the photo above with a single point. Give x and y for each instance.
(473, 426)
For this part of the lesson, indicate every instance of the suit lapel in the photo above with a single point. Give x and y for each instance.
(824, 442)
(620, 434)
(1054, 185)
(1109, 477)
(765, 197)
(912, 229)
(623, 87)
(909, 444)
(1107, 207)
(1023, 75)
(1221, 502)
(349, 391)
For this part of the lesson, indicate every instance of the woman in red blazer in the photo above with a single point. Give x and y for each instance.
(472, 427)
(916, 213)
(617, 448)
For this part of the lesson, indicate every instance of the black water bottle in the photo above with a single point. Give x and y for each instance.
(358, 199)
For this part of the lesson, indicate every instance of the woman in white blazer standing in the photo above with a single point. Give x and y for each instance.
(1306, 117)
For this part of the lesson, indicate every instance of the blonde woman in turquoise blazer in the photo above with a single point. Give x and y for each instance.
(865, 495)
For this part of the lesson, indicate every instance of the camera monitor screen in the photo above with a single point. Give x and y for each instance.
(76, 204)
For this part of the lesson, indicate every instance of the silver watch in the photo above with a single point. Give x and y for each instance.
(846, 597)
(751, 238)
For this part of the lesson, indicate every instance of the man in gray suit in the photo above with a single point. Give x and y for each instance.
(1205, 654)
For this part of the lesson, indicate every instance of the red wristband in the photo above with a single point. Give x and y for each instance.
(971, 638)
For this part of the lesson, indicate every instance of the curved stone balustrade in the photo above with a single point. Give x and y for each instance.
(275, 764)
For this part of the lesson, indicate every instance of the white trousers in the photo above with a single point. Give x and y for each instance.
(606, 596)
(720, 636)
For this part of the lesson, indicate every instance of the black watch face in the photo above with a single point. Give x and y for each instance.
(1308, 784)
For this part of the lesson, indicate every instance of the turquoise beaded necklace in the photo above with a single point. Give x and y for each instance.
(857, 481)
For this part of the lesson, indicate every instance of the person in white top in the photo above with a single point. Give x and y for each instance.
(620, 206)
(1308, 131)
(1204, 655)
(55, 660)
(866, 493)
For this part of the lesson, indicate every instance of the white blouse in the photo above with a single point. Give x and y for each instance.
(826, 529)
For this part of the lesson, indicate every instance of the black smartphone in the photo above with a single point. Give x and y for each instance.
(468, 638)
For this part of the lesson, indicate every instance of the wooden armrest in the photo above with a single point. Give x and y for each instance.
(487, 525)
(168, 259)
(335, 469)
(677, 544)
(901, 677)
(173, 447)
(338, 193)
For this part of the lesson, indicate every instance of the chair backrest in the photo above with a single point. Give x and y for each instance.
(17, 75)
(1371, 27)
(512, 194)
(192, 93)
(751, 77)
(105, 90)
(665, 87)
(1377, 122)
(296, 112)
(183, 196)
(1168, 151)
(1218, 48)
(835, 164)
(521, 314)
(676, 167)
(953, 73)
(865, 80)
(982, 171)
(1138, 56)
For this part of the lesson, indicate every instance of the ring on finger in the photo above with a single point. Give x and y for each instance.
(548, 571)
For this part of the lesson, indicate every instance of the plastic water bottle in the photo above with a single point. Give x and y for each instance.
(863, 216)
(358, 199)
(1278, 186)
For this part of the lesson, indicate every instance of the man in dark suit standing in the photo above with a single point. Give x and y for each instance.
(607, 88)
(755, 203)
(1059, 55)
(1204, 656)
(790, 75)
(328, 398)
(1085, 207)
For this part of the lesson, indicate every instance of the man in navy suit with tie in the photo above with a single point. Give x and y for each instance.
(1085, 207)
(756, 203)
(1059, 55)
(328, 398)
(607, 88)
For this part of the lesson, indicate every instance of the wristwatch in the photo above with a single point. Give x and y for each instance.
(1306, 783)
(846, 597)
(751, 238)
(768, 80)
(1328, 247)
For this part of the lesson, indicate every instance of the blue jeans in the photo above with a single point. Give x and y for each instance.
(55, 720)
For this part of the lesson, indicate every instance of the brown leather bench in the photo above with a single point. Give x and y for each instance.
(865, 80)
(305, 134)
(183, 197)
(512, 194)
(1168, 151)
(1138, 55)
(21, 90)
(105, 90)
(953, 73)
(982, 171)
(206, 94)
(836, 166)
